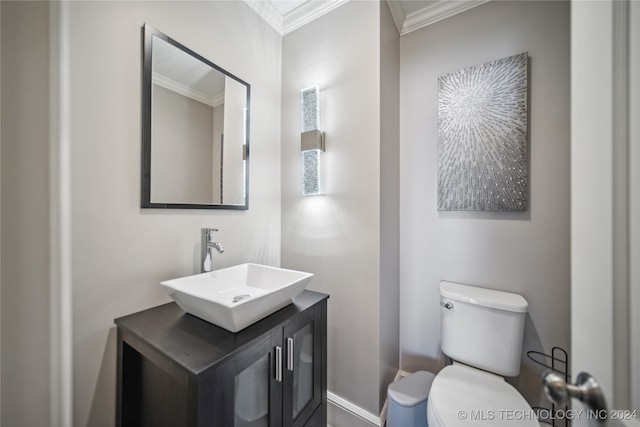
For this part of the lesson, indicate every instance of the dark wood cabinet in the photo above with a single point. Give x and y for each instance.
(175, 369)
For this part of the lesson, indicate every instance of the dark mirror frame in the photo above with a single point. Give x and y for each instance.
(147, 69)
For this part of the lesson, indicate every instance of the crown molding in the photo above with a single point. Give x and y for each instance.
(268, 12)
(187, 91)
(397, 13)
(313, 9)
(308, 12)
(303, 14)
(436, 12)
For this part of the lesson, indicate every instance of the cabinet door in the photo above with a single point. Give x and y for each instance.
(249, 385)
(303, 368)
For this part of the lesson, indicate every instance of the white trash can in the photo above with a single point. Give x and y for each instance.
(407, 400)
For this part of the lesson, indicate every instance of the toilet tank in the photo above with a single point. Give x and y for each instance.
(482, 327)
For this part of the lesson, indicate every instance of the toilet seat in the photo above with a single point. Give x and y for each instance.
(463, 396)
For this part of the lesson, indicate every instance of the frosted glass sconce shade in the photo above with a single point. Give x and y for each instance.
(310, 108)
(311, 142)
(311, 176)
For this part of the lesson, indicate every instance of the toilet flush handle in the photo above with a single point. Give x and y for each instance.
(447, 305)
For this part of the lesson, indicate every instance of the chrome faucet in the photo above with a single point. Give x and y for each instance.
(207, 243)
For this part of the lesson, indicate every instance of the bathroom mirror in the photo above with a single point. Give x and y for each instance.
(195, 130)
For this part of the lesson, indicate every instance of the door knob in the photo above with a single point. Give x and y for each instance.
(586, 389)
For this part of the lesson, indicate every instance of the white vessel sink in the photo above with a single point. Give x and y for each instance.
(235, 297)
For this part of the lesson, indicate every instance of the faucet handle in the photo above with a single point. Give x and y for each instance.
(207, 232)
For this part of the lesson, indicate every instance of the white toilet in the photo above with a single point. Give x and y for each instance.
(482, 332)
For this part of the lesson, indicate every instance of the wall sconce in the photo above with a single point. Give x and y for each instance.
(311, 142)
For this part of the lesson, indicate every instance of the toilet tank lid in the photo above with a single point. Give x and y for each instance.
(484, 297)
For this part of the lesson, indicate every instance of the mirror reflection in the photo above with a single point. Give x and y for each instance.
(195, 150)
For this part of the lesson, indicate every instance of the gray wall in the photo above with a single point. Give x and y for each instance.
(347, 238)
(528, 252)
(216, 159)
(25, 217)
(182, 163)
(338, 236)
(0, 221)
(389, 199)
(120, 252)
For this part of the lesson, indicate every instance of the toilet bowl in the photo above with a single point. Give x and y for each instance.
(465, 396)
(482, 331)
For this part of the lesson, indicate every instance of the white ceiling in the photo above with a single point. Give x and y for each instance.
(408, 15)
(176, 70)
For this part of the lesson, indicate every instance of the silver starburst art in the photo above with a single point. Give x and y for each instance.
(482, 137)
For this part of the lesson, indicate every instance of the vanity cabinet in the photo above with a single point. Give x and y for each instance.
(175, 369)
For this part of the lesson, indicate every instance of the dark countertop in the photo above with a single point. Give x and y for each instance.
(195, 344)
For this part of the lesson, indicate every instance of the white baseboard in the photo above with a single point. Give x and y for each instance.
(357, 411)
(353, 409)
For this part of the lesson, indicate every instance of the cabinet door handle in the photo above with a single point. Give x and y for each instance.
(290, 354)
(278, 364)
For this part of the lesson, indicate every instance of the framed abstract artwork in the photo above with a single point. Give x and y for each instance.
(482, 137)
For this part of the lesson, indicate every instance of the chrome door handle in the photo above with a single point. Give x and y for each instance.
(290, 354)
(586, 389)
(279, 364)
